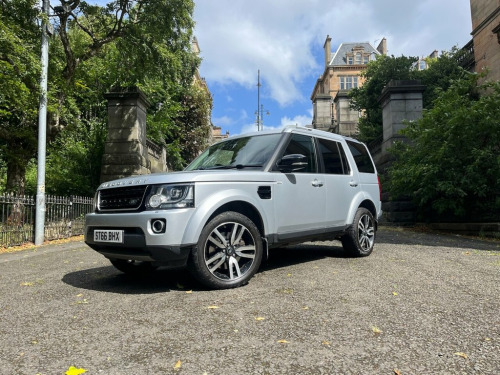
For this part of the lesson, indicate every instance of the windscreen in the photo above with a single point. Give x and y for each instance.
(246, 152)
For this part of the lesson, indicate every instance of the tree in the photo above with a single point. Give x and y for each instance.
(143, 43)
(451, 166)
(365, 98)
(19, 79)
(438, 76)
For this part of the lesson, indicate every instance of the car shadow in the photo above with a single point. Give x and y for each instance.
(110, 280)
(283, 257)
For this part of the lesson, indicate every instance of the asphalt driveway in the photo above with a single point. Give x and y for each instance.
(420, 304)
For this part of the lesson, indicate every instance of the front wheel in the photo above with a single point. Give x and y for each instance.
(228, 252)
(360, 236)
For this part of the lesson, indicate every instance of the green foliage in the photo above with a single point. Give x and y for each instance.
(451, 166)
(365, 98)
(125, 43)
(74, 161)
(438, 77)
(19, 76)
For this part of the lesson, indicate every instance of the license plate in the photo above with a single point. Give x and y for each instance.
(114, 236)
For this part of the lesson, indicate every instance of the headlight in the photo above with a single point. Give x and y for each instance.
(170, 196)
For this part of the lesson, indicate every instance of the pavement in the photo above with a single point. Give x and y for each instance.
(422, 303)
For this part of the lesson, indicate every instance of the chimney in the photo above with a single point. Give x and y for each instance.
(382, 47)
(328, 50)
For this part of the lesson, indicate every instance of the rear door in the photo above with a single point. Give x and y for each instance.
(341, 183)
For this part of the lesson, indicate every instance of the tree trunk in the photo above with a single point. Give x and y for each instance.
(16, 176)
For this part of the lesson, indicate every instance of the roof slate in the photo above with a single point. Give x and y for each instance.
(339, 58)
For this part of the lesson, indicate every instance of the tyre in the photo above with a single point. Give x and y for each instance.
(228, 252)
(360, 237)
(133, 267)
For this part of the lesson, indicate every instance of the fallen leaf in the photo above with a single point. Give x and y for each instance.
(259, 318)
(289, 274)
(178, 365)
(189, 291)
(213, 307)
(394, 293)
(75, 371)
(326, 343)
(397, 372)
(27, 283)
(305, 308)
(79, 295)
(376, 330)
(283, 341)
(460, 354)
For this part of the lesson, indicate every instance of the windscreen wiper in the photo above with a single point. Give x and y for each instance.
(233, 166)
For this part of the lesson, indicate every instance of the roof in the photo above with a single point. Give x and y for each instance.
(339, 58)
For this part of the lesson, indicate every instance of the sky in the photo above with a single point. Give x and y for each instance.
(284, 40)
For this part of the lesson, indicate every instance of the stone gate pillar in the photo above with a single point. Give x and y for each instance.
(401, 101)
(125, 152)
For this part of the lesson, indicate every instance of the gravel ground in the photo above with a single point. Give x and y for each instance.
(420, 304)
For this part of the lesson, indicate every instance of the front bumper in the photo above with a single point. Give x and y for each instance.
(139, 241)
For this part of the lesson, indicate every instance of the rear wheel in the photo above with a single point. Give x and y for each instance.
(133, 267)
(228, 252)
(360, 237)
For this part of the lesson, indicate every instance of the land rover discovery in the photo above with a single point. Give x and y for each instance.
(236, 201)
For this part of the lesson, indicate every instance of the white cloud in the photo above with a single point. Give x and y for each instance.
(300, 120)
(222, 121)
(238, 37)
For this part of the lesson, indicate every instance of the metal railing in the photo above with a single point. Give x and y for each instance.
(64, 217)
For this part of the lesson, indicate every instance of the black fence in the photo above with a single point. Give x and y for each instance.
(64, 217)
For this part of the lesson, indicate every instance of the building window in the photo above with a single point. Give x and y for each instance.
(423, 65)
(366, 59)
(358, 58)
(350, 60)
(348, 82)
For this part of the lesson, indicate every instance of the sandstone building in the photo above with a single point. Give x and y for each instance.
(331, 110)
(485, 15)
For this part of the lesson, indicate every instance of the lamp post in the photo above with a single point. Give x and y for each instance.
(42, 127)
(260, 107)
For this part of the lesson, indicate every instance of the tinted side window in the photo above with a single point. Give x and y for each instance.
(303, 144)
(333, 156)
(361, 157)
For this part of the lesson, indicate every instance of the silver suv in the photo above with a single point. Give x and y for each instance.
(238, 199)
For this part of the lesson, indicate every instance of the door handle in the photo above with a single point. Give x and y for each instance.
(317, 183)
(353, 183)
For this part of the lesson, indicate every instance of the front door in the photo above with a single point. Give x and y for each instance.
(300, 196)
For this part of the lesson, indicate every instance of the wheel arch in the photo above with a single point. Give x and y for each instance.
(243, 208)
(370, 206)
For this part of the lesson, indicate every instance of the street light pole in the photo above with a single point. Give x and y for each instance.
(42, 130)
(258, 99)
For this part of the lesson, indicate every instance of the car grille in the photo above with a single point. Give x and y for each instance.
(119, 199)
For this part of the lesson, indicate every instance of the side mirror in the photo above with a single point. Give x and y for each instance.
(292, 163)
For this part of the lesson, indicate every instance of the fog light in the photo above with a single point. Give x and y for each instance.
(158, 225)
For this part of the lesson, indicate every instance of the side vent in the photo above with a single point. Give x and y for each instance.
(264, 192)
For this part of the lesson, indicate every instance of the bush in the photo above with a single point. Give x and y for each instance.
(451, 166)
